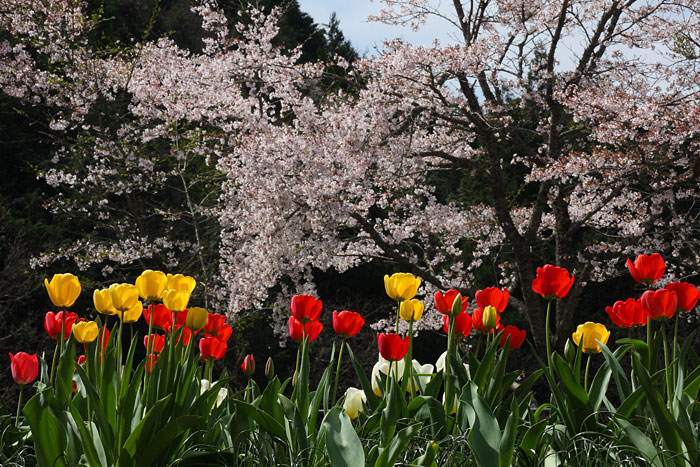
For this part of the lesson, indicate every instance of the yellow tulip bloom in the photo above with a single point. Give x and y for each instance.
(588, 333)
(176, 300)
(490, 317)
(123, 296)
(85, 331)
(411, 310)
(132, 314)
(180, 282)
(401, 286)
(103, 302)
(63, 289)
(196, 318)
(151, 284)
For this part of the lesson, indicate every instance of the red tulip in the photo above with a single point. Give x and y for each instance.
(306, 308)
(185, 335)
(659, 304)
(552, 282)
(212, 348)
(627, 314)
(25, 367)
(151, 360)
(492, 296)
(297, 330)
(81, 359)
(248, 365)
(443, 303)
(155, 343)
(478, 321)
(162, 317)
(647, 269)
(347, 323)
(688, 295)
(463, 324)
(517, 336)
(52, 324)
(392, 346)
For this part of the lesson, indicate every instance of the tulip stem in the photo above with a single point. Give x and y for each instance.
(585, 375)
(151, 344)
(649, 344)
(546, 330)
(337, 370)
(668, 379)
(19, 404)
(675, 343)
(409, 360)
(398, 314)
(448, 369)
(53, 365)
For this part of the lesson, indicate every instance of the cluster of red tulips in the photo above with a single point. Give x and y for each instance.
(659, 304)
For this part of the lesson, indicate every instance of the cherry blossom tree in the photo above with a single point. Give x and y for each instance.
(138, 128)
(573, 124)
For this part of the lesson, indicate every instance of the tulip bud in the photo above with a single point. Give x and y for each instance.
(294, 379)
(569, 350)
(196, 318)
(456, 305)
(269, 368)
(490, 317)
(248, 365)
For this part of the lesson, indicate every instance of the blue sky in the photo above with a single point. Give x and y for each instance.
(366, 36)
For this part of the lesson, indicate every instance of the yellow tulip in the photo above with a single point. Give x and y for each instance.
(123, 296)
(85, 331)
(132, 314)
(175, 300)
(588, 333)
(196, 318)
(103, 302)
(401, 286)
(151, 284)
(490, 317)
(180, 282)
(63, 289)
(411, 310)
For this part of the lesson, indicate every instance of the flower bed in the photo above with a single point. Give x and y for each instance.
(106, 408)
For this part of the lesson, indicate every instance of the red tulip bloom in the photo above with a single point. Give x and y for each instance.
(492, 296)
(392, 346)
(81, 359)
(627, 314)
(52, 324)
(306, 308)
(216, 327)
(212, 348)
(248, 365)
(688, 295)
(659, 304)
(443, 303)
(463, 324)
(151, 360)
(155, 343)
(478, 321)
(297, 329)
(647, 269)
(185, 335)
(552, 282)
(347, 323)
(517, 336)
(162, 317)
(25, 367)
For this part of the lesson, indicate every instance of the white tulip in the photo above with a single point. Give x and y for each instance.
(354, 398)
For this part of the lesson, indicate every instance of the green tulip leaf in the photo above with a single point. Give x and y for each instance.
(342, 443)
